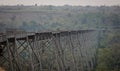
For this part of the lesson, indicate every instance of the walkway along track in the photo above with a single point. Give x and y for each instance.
(49, 51)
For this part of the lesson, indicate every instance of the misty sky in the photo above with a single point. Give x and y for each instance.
(61, 2)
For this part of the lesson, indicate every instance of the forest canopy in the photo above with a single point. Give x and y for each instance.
(36, 18)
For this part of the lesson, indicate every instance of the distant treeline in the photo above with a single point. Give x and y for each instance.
(37, 18)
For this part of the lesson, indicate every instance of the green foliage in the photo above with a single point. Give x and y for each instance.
(109, 56)
(64, 17)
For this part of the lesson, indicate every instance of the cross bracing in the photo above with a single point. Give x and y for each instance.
(49, 51)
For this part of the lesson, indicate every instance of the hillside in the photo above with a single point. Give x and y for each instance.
(35, 18)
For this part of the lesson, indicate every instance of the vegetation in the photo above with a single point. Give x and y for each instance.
(109, 59)
(109, 53)
(37, 18)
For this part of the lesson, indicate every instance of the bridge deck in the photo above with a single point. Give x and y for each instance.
(22, 36)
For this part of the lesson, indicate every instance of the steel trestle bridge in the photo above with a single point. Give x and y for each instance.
(49, 51)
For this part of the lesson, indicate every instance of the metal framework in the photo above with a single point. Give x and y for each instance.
(49, 51)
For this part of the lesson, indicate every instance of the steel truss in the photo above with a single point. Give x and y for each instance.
(50, 51)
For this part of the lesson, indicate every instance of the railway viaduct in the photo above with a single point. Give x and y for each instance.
(49, 51)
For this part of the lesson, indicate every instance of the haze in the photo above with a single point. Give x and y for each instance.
(61, 2)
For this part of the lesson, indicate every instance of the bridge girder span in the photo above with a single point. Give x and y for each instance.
(62, 51)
